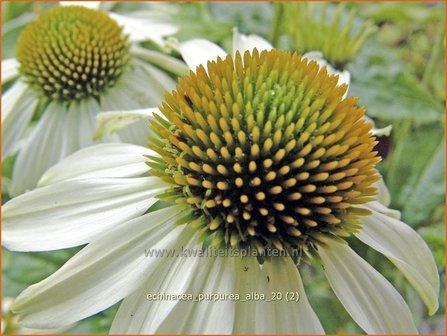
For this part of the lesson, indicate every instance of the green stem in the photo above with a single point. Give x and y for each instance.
(276, 23)
(436, 56)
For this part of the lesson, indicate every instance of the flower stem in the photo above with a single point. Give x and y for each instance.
(276, 23)
(435, 57)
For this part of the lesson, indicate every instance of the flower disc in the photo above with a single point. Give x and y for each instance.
(72, 52)
(265, 150)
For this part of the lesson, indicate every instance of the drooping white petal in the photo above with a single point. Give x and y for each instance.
(41, 149)
(113, 121)
(88, 4)
(108, 269)
(344, 77)
(383, 195)
(18, 106)
(374, 304)
(60, 131)
(135, 87)
(140, 315)
(382, 131)
(199, 51)
(251, 279)
(10, 69)
(291, 315)
(12, 97)
(243, 42)
(73, 212)
(161, 60)
(147, 28)
(165, 82)
(104, 160)
(131, 93)
(407, 250)
(86, 124)
(379, 131)
(216, 275)
(379, 207)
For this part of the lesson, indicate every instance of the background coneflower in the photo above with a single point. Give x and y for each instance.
(71, 63)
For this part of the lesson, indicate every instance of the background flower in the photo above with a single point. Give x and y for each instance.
(49, 111)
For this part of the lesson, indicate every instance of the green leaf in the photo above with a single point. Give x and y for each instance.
(427, 189)
(252, 18)
(414, 171)
(388, 91)
(21, 270)
(434, 236)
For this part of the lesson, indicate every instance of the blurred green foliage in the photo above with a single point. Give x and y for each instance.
(398, 75)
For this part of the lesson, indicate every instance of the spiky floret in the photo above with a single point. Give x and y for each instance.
(311, 28)
(265, 151)
(72, 52)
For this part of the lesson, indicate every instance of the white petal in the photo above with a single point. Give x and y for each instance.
(136, 133)
(382, 131)
(86, 125)
(284, 316)
(379, 131)
(407, 250)
(374, 304)
(112, 121)
(161, 60)
(104, 160)
(60, 131)
(199, 51)
(379, 207)
(251, 278)
(165, 82)
(18, 106)
(243, 42)
(291, 317)
(42, 148)
(12, 97)
(214, 276)
(88, 4)
(10, 69)
(344, 77)
(73, 212)
(132, 92)
(139, 315)
(104, 272)
(142, 29)
(383, 194)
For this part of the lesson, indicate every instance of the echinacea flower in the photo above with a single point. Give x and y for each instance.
(71, 63)
(256, 152)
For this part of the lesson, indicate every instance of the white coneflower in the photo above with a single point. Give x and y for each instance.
(255, 152)
(71, 63)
